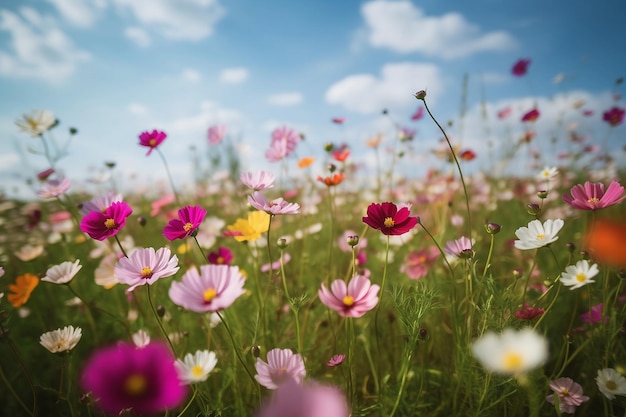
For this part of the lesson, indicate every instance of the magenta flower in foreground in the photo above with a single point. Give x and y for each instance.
(276, 206)
(592, 196)
(460, 248)
(308, 399)
(214, 288)
(282, 365)
(351, 300)
(145, 266)
(189, 219)
(614, 116)
(389, 218)
(283, 143)
(570, 394)
(122, 376)
(101, 225)
(520, 67)
(258, 180)
(152, 139)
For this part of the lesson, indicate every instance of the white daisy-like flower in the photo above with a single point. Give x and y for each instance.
(548, 173)
(29, 252)
(512, 351)
(141, 338)
(611, 383)
(61, 340)
(36, 122)
(537, 235)
(62, 273)
(197, 367)
(579, 275)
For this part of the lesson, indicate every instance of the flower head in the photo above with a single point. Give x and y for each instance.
(276, 206)
(614, 116)
(341, 153)
(611, 383)
(214, 288)
(223, 256)
(417, 263)
(594, 315)
(389, 218)
(216, 134)
(146, 266)
(460, 248)
(258, 180)
(537, 235)
(548, 173)
(512, 351)
(250, 229)
(189, 219)
(282, 365)
(351, 300)
(336, 360)
(100, 203)
(570, 394)
(62, 273)
(53, 188)
(579, 275)
(36, 122)
(528, 312)
(283, 143)
(332, 180)
(20, 292)
(197, 367)
(29, 252)
(531, 115)
(61, 340)
(520, 67)
(141, 338)
(152, 139)
(592, 196)
(122, 376)
(101, 225)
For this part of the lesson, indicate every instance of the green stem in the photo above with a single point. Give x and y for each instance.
(158, 319)
(9, 387)
(17, 355)
(488, 256)
(193, 397)
(405, 371)
(232, 339)
(117, 239)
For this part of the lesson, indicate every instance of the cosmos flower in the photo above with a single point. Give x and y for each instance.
(579, 275)
(100, 203)
(520, 67)
(594, 315)
(338, 120)
(548, 173)
(61, 340)
(460, 248)
(336, 360)
(282, 365)
(216, 134)
(405, 134)
(614, 116)
(341, 153)
(306, 161)
(258, 180)
(351, 300)
(611, 383)
(214, 288)
(531, 116)
(467, 155)
(283, 143)
(101, 225)
(197, 367)
(276, 206)
(121, 377)
(141, 338)
(249, 229)
(28, 252)
(145, 266)
(36, 122)
(20, 292)
(570, 394)
(104, 275)
(223, 256)
(528, 312)
(417, 263)
(62, 273)
(512, 351)
(152, 139)
(537, 235)
(419, 113)
(54, 187)
(189, 219)
(332, 180)
(389, 218)
(592, 196)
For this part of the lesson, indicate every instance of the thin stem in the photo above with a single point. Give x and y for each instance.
(232, 339)
(169, 176)
(193, 397)
(9, 387)
(158, 319)
(488, 256)
(291, 302)
(117, 239)
(201, 250)
(405, 371)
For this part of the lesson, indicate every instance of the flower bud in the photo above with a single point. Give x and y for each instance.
(533, 209)
(352, 240)
(570, 247)
(420, 95)
(282, 243)
(328, 147)
(542, 194)
(492, 228)
(423, 333)
(256, 351)
(466, 254)
(160, 311)
(332, 168)
(73, 131)
(584, 255)
(517, 273)
(142, 221)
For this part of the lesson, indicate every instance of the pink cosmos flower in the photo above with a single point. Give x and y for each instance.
(223, 256)
(121, 377)
(528, 312)
(520, 67)
(531, 116)
(282, 365)
(158, 204)
(594, 316)
(338, 120)
(504, 113)
(284, 141)
(214, 288)
(152, 139)
(259, 180)
(189, 219)
(54, 187)
(99, 225)
(308, 399)
(419, 113)
(417, 263)
(592, 196)
(352, 300)
(336, 360)
(276, 206)
(389, 218)
(216, 134)
(614, 116)
(460, 248)
(570, 394)
(100, 203)
(145, 266)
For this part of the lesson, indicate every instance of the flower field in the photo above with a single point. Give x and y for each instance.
(285, 293)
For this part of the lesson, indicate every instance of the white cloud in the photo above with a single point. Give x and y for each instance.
(404, 28)
(286, 99)
(176, 19)
(38, 48)
(234, 75)
(9, 161)
(197, 124)
(81, 13)
(365, 93)
(139, 36)
(191, 75)
(138, 109)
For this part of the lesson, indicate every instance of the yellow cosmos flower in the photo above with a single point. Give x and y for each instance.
(251, 228)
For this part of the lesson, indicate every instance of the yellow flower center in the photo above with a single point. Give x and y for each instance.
(135, 384)
(188, 226)
(348, 300)
(197, 371)
(220, 260)
(593, 200)
(565, 392)
(512, 361)
(610, 384)
(152, 142)
(580, 277)
(540, 236)
(146, 272)
(209, 295)
(389, 222)
(109, 223)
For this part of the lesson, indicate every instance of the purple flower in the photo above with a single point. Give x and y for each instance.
(216, 134)
(145, 266)
(460, 248)
(592, 196)
(351, 300)
(276, 206)
(258, 180)
(594, 316)
(282, 365)
(189, 219)
(152, 139)
(570, 394)
(283, 143)
(614, 116)
(101, 225)
(122, 376)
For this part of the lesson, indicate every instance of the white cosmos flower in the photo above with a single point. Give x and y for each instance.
(29, 252)
(537, 235)
(548, 173)
(576, 276)
(61, 340)
(611, 383)
(197, 367)
(36, 122)
(512, 351)
(62, 273)
(141, 338)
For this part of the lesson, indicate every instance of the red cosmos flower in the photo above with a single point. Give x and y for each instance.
(467, 155)
(101, 225)
(389, 219)
(152, 139)
(531, 116)
(189, 218)
(334, 179)
(223, 256)
(341, 153)
(419, 113)
(528, 312)
(614, 116)
(520, 67)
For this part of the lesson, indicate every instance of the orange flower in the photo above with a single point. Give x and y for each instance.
(334, 179)
(305, 161)
(19, 293)
(605, 242)
(375, 141)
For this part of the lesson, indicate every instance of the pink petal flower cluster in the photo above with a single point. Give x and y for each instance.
(101, 225)
(351, 300)
(592, 196)
(282, 365)
(569, 393)
(276, 206)
(152, 139)
(258, 180)
(417, 263)
(283, 143)
(216, 134)
(460, 248)
(189, 219)
(54, 187)
(145, 266)
(389, 218)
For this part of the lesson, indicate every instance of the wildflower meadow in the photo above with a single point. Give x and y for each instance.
(318, 287)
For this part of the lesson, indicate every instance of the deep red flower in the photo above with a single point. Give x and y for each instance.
(222, 256)
(614, 116)
(189, 218)
(152, 139)
(467, 155)
(390, 220)
(531, 116)
(528, 312)
(520, 67)
(101, 225)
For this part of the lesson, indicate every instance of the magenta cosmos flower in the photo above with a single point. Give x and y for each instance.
(592, 196)
(101, 225)
(520, 68)
(222, 256)
(531, 116)
(152, 139)
(417, 263)
(570, 394)
(351, 300)
(389, 218)
(614, 116)
(283, 143)
(123, 376)
(214, 288)
(282, 365)
(258, 180)
(145, 266)
(276, 206)
(189, 219)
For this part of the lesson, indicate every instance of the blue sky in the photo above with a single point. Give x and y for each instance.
(115, 68)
